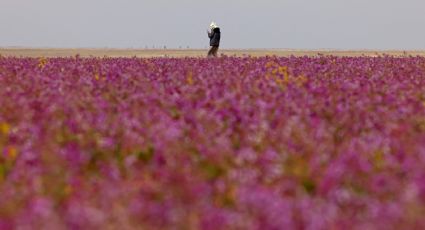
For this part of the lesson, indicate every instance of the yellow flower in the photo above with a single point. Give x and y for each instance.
(5, 128)
(12, 153)
(189, 78)
(271, 64)
(378, 159)
(67, 190)
(42, 62)
(301, 80)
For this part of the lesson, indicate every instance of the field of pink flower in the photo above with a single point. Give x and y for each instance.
(228, 143)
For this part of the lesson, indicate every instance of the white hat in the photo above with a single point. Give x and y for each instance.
(213, 25)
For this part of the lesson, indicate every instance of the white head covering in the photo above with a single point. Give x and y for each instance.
(213, 25)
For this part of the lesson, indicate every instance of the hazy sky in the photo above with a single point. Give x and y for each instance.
(293, 24)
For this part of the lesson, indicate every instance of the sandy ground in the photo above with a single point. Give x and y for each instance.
(49, 52)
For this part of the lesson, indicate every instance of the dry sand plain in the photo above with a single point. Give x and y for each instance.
(86, 52)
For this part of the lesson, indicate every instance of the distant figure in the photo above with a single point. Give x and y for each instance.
(214, 34)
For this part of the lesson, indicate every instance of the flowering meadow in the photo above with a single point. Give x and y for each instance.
(227, 143)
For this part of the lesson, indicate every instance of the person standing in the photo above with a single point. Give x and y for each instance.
(215, 35)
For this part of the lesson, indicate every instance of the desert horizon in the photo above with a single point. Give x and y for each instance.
(196, 52)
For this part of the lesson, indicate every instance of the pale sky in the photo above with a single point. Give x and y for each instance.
(291, 24)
